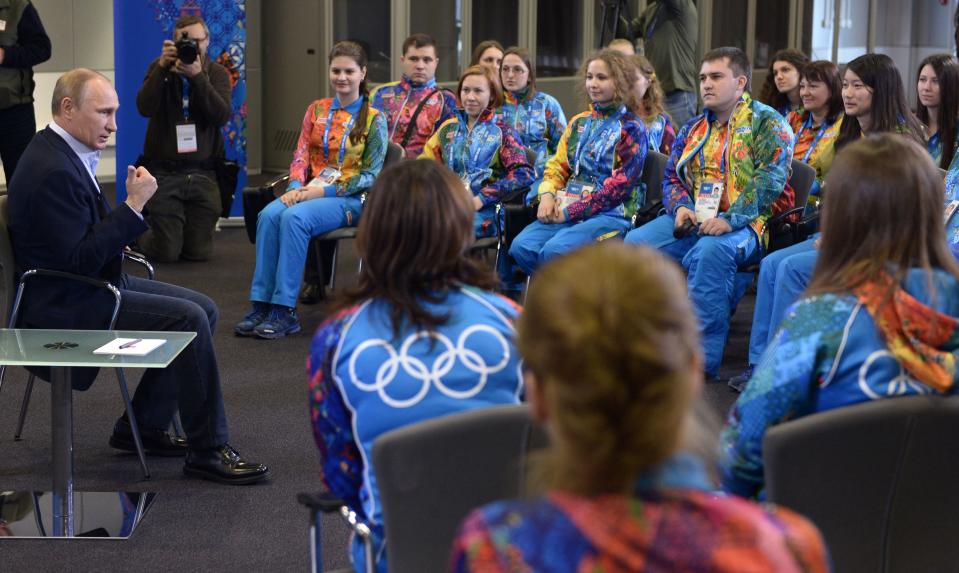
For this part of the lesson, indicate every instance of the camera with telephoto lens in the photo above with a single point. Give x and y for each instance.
(187, 49)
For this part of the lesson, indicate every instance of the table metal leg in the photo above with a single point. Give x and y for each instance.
(61, 407)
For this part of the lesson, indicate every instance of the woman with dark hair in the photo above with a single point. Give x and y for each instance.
(385, 358)
(536, 116)
(340, 151)
(938, 94)
(873, 95)
(614, 367)
(591, 186)
(487, 156)
(874, 102)
(780, 91)
(879, 318)
(489, 54)
(651, 106)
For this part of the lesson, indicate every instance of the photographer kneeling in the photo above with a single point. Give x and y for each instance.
(186, 96)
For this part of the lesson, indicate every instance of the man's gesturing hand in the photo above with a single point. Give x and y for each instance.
(140, 187)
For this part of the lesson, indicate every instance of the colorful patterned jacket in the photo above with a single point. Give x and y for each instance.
(611, 145)
(490, 157)
(539, 120)
(828, 353)
(661, 134)
(673, 522)
(398, 102)
(821, 156)
(365, 380)
(362, 161)
(952, 194)
(759, 161)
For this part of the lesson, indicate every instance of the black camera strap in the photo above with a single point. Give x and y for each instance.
(411, 127)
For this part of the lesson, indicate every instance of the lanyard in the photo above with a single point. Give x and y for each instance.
(326, 136)
(652, 23)
(582, 144)
(934, 144)
(468, 161)
(722, 160)
(807, 124)
(185, 98)
(400, 114)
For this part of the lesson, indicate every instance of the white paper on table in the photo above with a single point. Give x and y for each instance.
(140, 348)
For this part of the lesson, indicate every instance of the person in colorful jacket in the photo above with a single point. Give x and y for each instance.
(881, 316)
(937, 89)
(591, 187)
(415, 95)
(422, 336)
(340, 152)
(623, 492)
(725, 177)
(874, 101)
(780, 91)
(486, 155)
(536, 116)
(659, 127)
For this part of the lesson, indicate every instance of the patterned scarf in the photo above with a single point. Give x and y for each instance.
(914, 332)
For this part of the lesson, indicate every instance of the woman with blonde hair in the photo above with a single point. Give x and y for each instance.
(651, 106)
(611, 348)
(591, 186)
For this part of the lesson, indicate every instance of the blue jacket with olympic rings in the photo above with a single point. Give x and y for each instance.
(366, 380)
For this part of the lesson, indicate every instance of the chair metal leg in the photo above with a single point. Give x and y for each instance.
(336, 248)
(134, 428)
(3, 370)
(178, 425)
(28, 391)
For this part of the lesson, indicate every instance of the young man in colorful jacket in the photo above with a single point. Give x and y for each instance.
(399, 101)
(725, 177)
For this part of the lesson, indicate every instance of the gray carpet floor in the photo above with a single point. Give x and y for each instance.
(197, 525)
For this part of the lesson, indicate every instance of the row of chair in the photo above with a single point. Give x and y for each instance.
(878, 480)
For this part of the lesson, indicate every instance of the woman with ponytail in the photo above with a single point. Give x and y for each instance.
(613, 368)
(340, 152)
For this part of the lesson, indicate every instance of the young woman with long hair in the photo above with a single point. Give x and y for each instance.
(879, 318)
(937, 90)
(780, 91)
(340, 152)
(419, 295)
(651, 107)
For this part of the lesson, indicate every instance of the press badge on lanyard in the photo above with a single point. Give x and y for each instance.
(330, 175)
(950, 211)
(710, 191)
(186, 131)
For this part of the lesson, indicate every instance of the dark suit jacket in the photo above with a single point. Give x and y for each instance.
(60, 221)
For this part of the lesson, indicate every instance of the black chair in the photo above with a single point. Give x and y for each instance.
(654, 169)
(878, 479)
(11, 306)
(256, 198)
(785, 228)
(432, 474)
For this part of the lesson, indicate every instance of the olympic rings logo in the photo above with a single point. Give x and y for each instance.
(899, 385)
(433, 375)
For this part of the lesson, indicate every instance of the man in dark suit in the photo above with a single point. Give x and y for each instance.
(60, 220)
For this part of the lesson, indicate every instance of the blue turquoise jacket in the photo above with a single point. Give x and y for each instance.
(538, 120)
(366, 380)
(827, 354)
(490, 157)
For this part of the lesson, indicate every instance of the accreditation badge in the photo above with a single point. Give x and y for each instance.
(575, 191)
(327, 176)
(950, 211)
(707, 200)
(186, 138)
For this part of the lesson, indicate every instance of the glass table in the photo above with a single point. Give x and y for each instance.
(62, 350)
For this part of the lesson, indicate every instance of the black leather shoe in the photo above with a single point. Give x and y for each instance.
(155, 442)
(312, 293)
(223, 464)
